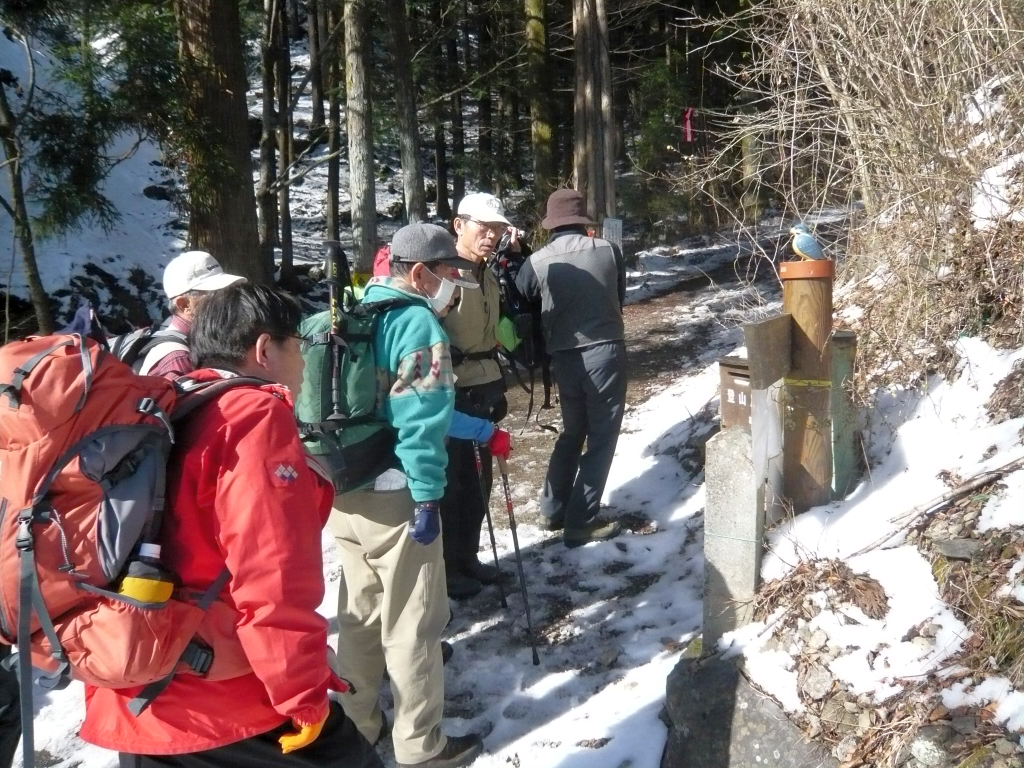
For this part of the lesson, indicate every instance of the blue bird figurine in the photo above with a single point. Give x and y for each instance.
(804, 244)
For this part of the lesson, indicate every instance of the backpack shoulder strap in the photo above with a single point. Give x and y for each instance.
(194, 395)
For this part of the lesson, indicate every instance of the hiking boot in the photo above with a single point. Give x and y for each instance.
(556, 523)
(595, 531)
(482, 572)
(461, 587)
(458, 752)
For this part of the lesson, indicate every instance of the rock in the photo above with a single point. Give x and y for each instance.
(818, 682)
(813, 726)
(844, 750)
(965, 725)
(714, 713)
(608, 657)
(817, 640)
(833, 711)
(863, 721)
(1004, 747)
(922, 642)
(957, 549)
(851, 706)
(157, 192)
(929, 745)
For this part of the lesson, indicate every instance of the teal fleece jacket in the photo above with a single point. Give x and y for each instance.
(415, 385)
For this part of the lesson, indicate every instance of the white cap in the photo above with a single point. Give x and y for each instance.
(483, 207)
(195, 271)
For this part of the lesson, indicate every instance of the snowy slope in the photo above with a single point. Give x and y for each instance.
(133, 253)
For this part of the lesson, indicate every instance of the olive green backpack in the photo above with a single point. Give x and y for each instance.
(336, 407)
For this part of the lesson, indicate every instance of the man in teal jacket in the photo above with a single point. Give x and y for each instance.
(393, 605)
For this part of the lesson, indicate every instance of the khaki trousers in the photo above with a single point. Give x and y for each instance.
(392, 608)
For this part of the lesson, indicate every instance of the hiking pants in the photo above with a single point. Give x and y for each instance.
(392, 608)
(592, 392)
(339, 745)
(463, 508)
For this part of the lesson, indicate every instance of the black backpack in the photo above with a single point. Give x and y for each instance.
(132, 348)
(525, 346)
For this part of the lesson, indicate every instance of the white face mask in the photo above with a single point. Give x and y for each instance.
(439, 302)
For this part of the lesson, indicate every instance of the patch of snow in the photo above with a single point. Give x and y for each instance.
(1009, 711)
(1007, 508)
(913, 437)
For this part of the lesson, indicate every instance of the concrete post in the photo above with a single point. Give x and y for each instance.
(846, 453)
(733, 529)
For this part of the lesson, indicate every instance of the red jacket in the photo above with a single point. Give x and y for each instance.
(241, 495)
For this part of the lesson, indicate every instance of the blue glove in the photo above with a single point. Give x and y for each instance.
(426, 523)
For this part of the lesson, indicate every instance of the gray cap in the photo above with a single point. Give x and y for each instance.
(426, 242)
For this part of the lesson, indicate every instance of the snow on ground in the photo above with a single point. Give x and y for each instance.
(915, 440)
(913, 437)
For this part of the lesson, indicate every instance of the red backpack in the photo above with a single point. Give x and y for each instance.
(84, 446)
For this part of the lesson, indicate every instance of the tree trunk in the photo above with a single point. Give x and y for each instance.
(594, 147)
(458, 131)
(316, 77)
(291, 11)
(285, 146)
(485, 116)
(265, 202)
(359, 114)
(332, 72)
(444, 209)
(405, 104)
(515, 139)
(537, 87)
(218, 165)
(18, 211)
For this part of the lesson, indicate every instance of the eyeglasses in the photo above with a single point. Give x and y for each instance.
(304, 343)
(496, 228)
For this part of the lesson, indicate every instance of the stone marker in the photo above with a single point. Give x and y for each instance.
(716, 720)
(733, 528)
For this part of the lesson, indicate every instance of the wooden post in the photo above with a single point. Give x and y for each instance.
(807, 427)
(845, 454)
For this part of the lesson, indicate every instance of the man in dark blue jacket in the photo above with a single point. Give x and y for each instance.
(580, 282)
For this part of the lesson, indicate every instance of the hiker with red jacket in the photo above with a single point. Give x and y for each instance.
(244, 497)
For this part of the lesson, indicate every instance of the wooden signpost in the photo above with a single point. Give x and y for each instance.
(807, 441)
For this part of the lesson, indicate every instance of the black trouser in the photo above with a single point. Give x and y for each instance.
(10, 711)
(592, 392)
(339, 745)
(463, 506)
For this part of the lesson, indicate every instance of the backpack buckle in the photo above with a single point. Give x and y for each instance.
(23, 541)
(198, 656)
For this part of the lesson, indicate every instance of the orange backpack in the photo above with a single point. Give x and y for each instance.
(84, 445)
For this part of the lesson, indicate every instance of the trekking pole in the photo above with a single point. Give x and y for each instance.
(331, 274)
(490, 525)
(503, 466)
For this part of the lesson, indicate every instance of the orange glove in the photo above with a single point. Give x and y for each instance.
(500, 443)
(302, 736)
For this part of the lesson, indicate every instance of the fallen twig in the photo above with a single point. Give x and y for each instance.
(926, 510)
